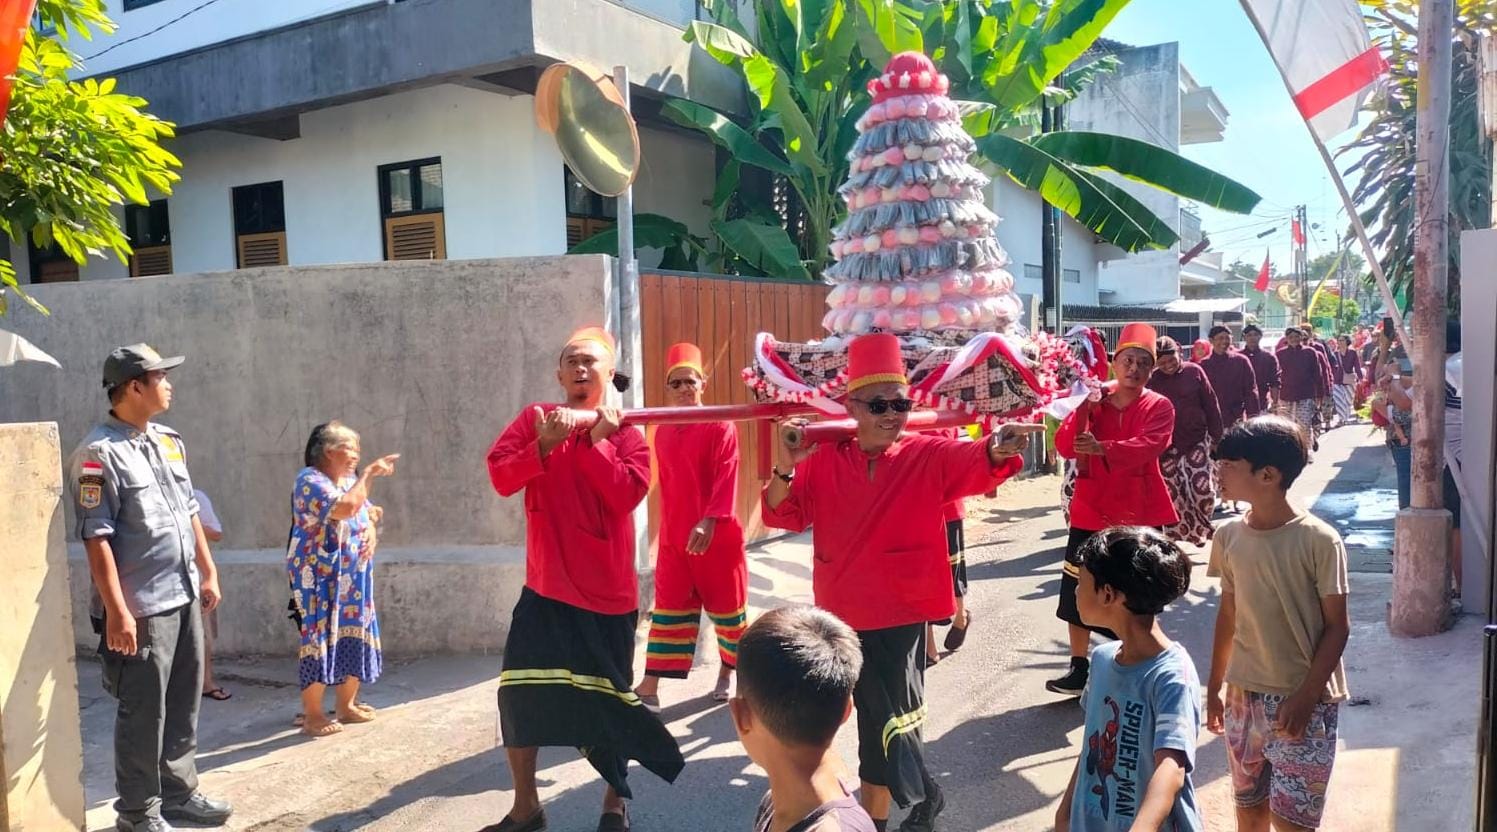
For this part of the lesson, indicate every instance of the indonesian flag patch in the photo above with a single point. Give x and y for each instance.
(91, 484)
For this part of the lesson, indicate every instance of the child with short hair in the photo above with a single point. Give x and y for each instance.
(796, 670)
(1280, 633)
(1142, 701)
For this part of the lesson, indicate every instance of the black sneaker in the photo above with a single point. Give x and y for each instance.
(199, 809)
(143, 825)
(1074, 682)
(922, 817)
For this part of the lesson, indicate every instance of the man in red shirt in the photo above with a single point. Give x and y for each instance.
(1116, 443)
(876, 506)
(701, 562)
(568, 660)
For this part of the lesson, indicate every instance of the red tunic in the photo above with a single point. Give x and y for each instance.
(880, 542)
(698, 467)
(1123, 486)
(579, 533)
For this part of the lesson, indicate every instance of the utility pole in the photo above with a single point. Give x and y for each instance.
(1301, 262)
(1051, 272)
(1421, 572)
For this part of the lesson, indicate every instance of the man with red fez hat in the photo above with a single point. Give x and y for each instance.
(1116, 443)
(1303, 376)
(876, 505)
(567, 676)
(701, 564)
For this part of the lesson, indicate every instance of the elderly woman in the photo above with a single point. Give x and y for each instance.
(1116, 443)
(330, 561)
(1186, 464)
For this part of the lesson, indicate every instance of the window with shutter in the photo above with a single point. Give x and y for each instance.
(415, 237)
(587, 212)
(151, 260)
(410, 205)
(260, 225)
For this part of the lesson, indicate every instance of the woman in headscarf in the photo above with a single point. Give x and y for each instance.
(330, 559)
(1186, 465)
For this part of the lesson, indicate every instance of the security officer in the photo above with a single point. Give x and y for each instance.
(152, 578)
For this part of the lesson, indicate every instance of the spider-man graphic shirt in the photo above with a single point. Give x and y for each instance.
(1133, 711)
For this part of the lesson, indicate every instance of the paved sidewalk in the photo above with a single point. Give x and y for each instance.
(1000, 744)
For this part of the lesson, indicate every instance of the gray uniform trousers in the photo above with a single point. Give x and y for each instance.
(156, 725)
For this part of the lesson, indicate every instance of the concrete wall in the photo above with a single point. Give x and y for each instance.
(231, 19)
(1479, 402)
(430, 360)
(677, 173)
(1140, 100)
(41, 745)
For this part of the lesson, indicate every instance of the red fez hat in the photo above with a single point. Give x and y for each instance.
(595, 334)
(683, 355)
(1136, 336)
(874, 359)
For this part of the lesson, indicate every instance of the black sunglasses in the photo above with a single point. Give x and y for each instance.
(879, 407)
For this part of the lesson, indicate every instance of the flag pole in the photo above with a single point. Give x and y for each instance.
(1346, 200)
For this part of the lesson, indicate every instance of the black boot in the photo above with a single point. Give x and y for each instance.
(922, 817)
(1074, 682)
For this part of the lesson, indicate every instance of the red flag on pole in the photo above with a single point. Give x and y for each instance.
(1262, 284)
(1297, 233)
(15, 20)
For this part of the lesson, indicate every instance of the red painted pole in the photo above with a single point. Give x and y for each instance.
(708, 413)
(840, 429)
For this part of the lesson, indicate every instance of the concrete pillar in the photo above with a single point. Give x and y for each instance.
(1421, 573)
(41, 742)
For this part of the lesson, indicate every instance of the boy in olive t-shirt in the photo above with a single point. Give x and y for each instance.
(1280, 633)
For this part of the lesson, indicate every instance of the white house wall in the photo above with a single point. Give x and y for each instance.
(1141, 100)
(1019, 233)
(502, 181)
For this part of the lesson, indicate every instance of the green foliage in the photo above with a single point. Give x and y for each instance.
(682, 249)
(1343, 315)
(74, 151)
(1385, 171)
(806, 66)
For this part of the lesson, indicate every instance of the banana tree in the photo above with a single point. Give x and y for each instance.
(806, 64)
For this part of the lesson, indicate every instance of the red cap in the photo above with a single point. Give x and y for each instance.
(874, 359)
(683, 355)
(1136, 336)
(595, 334)
(908, 73)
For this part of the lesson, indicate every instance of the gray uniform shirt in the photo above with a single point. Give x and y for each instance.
(132, 489)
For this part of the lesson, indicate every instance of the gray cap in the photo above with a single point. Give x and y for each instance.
(131, 362)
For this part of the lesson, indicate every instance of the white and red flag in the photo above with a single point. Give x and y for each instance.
(1261, 285)
(1325, 55)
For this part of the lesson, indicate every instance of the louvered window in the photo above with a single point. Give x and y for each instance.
(587, 212)
(260, 225)
(410, 196)
(150, 231)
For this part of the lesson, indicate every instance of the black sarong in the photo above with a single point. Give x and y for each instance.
(568, 681)
(890, 701)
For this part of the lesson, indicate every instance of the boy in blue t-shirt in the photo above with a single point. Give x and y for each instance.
(1143, 700)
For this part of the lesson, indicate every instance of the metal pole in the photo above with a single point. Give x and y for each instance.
(1049, 268)
(631, 363)
(1421, 571)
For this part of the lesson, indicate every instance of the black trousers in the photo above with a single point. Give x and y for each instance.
(890, 702)
(158, 690)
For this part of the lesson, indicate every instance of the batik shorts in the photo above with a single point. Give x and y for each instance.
(1291, 773)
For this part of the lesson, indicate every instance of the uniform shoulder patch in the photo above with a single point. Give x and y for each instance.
(90, 494)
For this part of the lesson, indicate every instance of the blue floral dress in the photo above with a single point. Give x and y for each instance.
(331, 566)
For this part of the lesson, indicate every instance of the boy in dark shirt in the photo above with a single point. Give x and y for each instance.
(796, 670)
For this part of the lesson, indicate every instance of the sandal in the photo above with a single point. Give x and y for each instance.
(957, 636)
(651, 703)
(218, 695)
(301, 719)
(326, 729)
(356, 716)
(724, 690)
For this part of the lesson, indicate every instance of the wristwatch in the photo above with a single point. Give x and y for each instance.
(788, 478)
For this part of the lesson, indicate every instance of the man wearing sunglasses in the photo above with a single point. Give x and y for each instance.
(701, 563)
(876, 506)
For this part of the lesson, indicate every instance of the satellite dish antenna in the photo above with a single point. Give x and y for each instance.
(583, 109)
